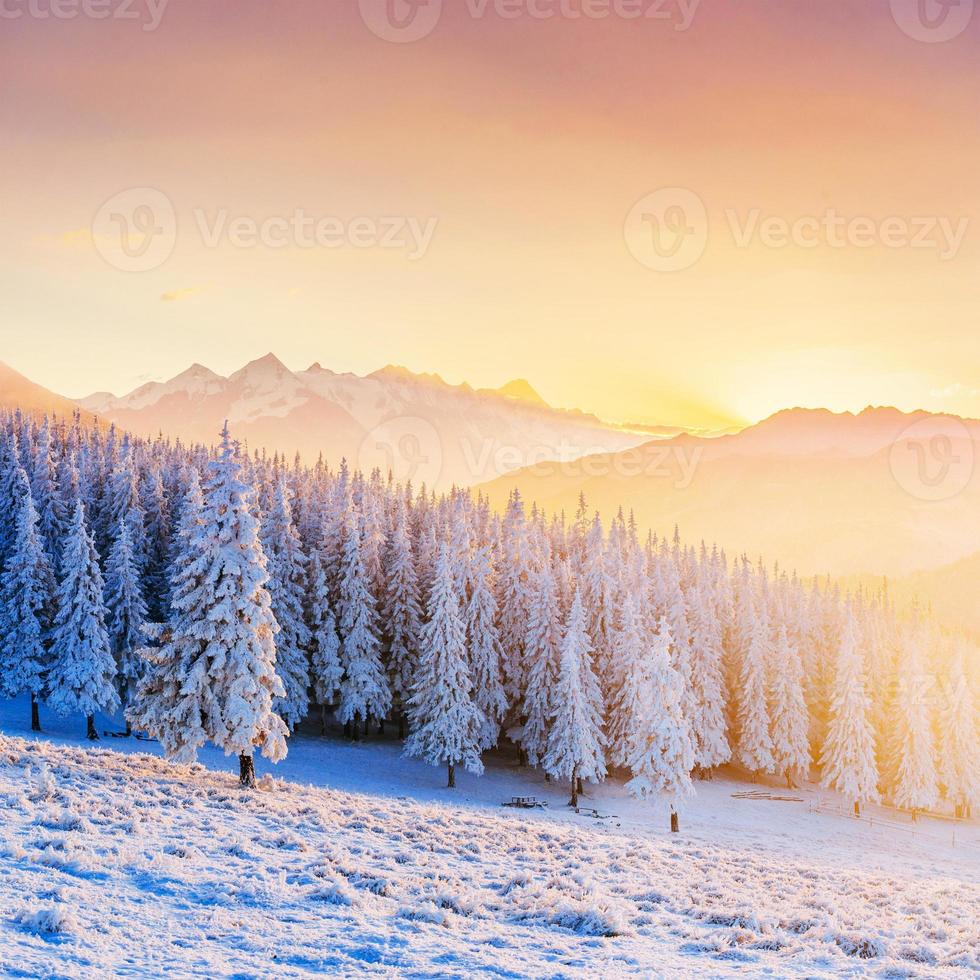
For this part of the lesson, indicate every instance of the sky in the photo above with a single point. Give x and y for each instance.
(698, 217)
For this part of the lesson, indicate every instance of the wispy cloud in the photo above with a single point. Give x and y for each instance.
(177, 294)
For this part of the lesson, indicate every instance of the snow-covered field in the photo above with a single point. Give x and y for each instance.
(351, 860)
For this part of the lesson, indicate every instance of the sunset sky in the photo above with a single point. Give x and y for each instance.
(528, 141)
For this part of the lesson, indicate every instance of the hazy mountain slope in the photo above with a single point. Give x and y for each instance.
(820, 492)
(16, 391)
(417, 424)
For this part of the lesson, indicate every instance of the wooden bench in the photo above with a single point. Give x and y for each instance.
(526, 802)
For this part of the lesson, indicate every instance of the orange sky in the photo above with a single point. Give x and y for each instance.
(528, 141)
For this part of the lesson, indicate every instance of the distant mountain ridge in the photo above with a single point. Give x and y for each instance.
(416, 424)
(882, 491)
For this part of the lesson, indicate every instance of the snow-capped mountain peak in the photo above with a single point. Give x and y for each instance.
(464, 436)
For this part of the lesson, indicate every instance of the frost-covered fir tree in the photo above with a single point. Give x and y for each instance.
(629, 642)
(705, 703)
(447, 727)
(125, 614)
(402, 612)
(514, 595)
(82, 668)
(44, 490)
(913, 750)
(754, 747)
(483, 644)
(660, 754)
(287, 585)
(959, 740)
(364, 691)
(788, 713)
(326, 670)
(26, 606)
(214, 677)
(575, 745)
(847, 760)
(542, 654)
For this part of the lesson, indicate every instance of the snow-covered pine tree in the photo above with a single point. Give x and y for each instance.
(959, 756)
(575, 744)
(788, 713)
(447, 727)
(402, 611)
(629, 643)
(82, 667)
(542, 654)
(364, 691)
(847, 760)
(44, 490)
(706, 696)
(125, 614)
(913, 750)
(483, 644)
(214, 677)
(660, 754)
(157, 521)
(514, 600)
(26, 606)
(754, 747)
(326, 670)
(287, 584)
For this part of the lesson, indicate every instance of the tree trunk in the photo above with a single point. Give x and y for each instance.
(574, 800)
(789, 780)
(323, 719)
(522, 758)
(547, 777)
(92, 735)
(452, 777)
(367, 726)
(857, 808)
(35, 715)
(579, 788)
(246, 771)
(675, 822)
(401, 725)
(381, 727)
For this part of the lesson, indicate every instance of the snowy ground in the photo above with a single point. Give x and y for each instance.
(353, 860)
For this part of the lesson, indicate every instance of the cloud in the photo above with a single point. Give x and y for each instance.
(176, 294)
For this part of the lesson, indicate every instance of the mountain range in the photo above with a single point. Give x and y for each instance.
(417, 425)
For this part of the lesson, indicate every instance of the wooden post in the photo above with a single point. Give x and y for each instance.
(675, 822)
(35, 716)
(857, 808)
